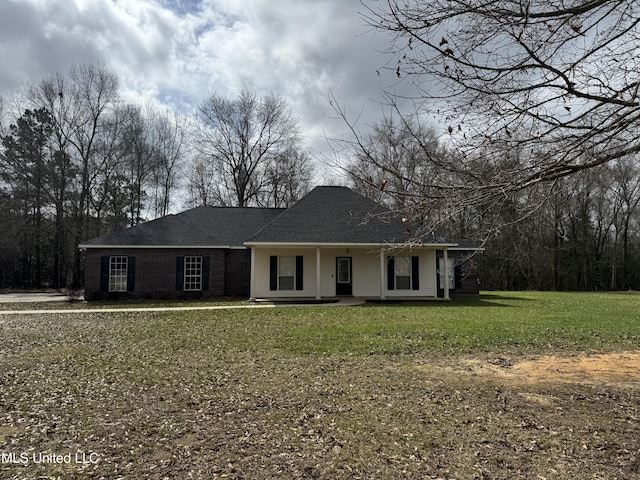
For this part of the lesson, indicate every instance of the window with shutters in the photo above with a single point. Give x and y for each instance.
(192, 273)
(118, 266)
(403, 273)
(286, 272)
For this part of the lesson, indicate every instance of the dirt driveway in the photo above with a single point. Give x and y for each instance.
(32, 297)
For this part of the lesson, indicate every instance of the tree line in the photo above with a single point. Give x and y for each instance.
(536, 151)
(535, 157)
(77, 160)
(580, 232)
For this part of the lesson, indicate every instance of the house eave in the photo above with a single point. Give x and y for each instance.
(166, 247)
(350, 245)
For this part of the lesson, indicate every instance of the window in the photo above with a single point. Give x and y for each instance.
(286, 272)
(118, 267)
(192, 273)
(344, 270)
(403, 273)
(451, 269)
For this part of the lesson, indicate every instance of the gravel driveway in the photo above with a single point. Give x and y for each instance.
(21, 297)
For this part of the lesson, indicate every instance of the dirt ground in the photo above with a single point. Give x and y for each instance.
(612, 368)
(172, 396)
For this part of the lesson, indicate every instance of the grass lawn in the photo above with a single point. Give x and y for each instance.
(432, 390)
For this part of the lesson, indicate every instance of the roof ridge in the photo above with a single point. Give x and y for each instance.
(329, 214)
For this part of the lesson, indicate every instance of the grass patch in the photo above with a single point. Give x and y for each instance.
(376, 392)
(528, 321)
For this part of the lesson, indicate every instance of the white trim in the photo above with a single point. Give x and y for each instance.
(382, 277)
(119, 263)
(318, 277)
(397, 262)
(252, 278)
(293, 277)
(193, 263)
(445, 261)
(351, 245)
(164, 246)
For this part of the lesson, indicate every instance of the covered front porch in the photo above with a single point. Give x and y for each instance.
(318, 272)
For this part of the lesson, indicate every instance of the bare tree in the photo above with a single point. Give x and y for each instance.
(79, 163)
(168, 132)
(204, 188)
(287, 178)
(80, 104)
(243, 138)
(555, 76)
(395, 161)
(626, 185)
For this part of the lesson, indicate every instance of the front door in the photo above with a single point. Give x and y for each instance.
(344, 285)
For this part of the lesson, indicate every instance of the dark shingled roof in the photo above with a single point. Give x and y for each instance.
(201, 226)
(334, 215)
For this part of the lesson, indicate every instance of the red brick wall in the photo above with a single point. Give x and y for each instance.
(237, 273)
(155, 272)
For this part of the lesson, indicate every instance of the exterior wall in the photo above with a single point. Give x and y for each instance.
(237, 273)
(229, 273)
(262, 272)
(427, 270)
(155, 273)
(365, 272)
(470, 274)
(467, 276)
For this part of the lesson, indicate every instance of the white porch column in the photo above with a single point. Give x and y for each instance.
(445, 261)
(382, 297)
(252, 281)
(318, 296)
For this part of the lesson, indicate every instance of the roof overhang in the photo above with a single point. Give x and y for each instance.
(350, 245)
(166, 247)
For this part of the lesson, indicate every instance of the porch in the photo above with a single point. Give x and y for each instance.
(321, 273)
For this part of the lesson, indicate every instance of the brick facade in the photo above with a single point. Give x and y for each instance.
(155, 272)
(237, 273)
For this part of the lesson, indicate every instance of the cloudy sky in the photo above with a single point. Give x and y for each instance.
(177, 51)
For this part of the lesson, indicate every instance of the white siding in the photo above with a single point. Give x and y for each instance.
(262, 272)
(427, 274)
(366, 272)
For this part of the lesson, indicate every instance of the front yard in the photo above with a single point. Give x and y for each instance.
(518, 385)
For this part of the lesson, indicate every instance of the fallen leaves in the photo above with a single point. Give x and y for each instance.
(211, 395)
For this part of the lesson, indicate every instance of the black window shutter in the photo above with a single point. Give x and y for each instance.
(131, 274)
(391, 273)
(104, 274)
(299, 280)
(206, 262)
(415, 273)
(273, 272)
(458, 276)
(179, 274)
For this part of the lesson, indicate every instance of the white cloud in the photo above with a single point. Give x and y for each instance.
(177, 51)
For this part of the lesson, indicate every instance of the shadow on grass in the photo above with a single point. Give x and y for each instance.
(457, 301)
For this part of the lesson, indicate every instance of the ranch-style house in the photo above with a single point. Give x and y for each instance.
(333, 242)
